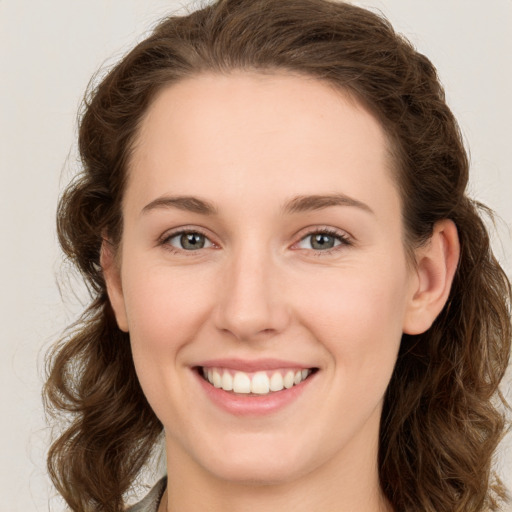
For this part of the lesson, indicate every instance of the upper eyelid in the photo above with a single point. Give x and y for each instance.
(181, 233)
(344, 239)
(303, 233)
(341, 233)
(181, 230)
(164, 241)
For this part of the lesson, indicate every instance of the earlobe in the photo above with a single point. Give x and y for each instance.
(436, 263)
(112, 276)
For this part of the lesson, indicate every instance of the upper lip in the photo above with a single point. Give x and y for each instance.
(244, 365)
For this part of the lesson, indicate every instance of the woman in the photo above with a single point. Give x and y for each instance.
(289, 281)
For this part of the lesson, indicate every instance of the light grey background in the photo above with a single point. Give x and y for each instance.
(48, 52)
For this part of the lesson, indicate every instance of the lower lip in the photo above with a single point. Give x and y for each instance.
(253, 405)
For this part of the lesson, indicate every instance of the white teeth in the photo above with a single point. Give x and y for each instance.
(217, 379)
(276, 382)
(259, 383)
(288, 380)
(227, 381)
(241, 383)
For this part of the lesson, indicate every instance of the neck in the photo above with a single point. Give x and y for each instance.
(264, 499)
(347, 487)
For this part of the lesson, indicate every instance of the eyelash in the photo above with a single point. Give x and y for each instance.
(344, 240)
(164, 241)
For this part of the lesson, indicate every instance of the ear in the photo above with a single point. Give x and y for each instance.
(112, 275)
(436, 263)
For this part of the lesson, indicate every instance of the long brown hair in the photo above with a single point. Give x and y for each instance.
(443, 415)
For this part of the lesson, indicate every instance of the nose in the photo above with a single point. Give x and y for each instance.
(251, 300)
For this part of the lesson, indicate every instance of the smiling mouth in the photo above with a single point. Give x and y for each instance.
(254, 383)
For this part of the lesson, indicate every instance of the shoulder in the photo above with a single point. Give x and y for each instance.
(152, 499)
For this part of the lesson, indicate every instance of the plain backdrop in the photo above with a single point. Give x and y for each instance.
(48, 52)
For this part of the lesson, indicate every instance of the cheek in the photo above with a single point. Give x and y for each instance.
(165, 308)
(358, 317)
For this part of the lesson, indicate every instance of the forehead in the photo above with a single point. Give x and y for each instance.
(242, 132)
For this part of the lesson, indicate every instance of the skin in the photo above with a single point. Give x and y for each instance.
(248, 144)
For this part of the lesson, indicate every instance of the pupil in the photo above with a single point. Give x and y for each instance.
(192, 241)
(321, 241)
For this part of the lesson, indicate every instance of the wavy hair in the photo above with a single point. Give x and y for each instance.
(443, 414)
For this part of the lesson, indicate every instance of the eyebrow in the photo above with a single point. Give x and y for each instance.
(298, 204)
(186, 203)
(318, 202)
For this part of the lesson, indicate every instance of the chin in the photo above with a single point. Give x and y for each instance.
(258, 466)
(258, 475)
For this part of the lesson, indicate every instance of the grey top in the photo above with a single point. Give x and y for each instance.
(152, 500)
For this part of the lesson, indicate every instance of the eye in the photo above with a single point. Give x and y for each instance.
(188, 241)
(323, 241)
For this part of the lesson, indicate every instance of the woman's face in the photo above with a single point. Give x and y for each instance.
(262, 247)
